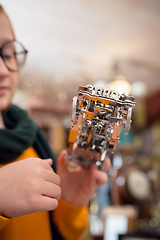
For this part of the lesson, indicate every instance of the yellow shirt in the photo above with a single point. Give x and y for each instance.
(70, 220)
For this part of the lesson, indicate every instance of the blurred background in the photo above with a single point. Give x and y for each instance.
(98, 42)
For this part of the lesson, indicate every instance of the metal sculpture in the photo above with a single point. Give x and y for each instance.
(98, 116)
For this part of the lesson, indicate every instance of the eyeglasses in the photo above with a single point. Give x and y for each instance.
(13, 54)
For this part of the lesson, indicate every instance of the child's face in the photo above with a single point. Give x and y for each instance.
(8, 79)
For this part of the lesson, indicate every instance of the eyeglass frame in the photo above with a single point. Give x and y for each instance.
(1, 55)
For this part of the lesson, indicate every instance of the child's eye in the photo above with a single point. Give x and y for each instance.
(7, 57)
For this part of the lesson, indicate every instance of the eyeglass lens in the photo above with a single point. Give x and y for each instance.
(13, 55)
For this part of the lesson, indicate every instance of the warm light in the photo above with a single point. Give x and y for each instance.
(94, 208)
(139, 89)
(121, 85)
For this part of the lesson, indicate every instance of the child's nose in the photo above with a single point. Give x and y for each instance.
(3, 69)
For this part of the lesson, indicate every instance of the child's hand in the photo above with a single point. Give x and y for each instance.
(28, 186)
(79, 185)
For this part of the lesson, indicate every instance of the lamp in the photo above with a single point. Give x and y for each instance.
(120, 84)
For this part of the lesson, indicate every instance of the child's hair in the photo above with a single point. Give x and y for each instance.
(2, 11)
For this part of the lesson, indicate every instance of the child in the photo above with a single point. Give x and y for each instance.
(30, 189)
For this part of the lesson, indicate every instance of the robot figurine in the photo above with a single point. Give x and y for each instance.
(98, 116)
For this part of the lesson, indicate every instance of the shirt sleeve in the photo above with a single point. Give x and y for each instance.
(70, 220)
(4, 221)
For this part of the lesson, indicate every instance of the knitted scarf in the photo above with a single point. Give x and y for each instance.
(21, 133)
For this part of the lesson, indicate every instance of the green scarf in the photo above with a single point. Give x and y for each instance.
(21, 133)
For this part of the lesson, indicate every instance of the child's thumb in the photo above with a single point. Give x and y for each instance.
(49, 161)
